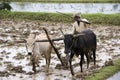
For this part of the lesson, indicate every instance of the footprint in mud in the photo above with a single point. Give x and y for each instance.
(19, 56)
(16, 69)
(4, 73)
(59, 66)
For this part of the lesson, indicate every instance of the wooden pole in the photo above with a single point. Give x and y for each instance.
(56, 39)
(50, 41)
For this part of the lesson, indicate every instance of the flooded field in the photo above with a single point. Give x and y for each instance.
(66, 7)
(15, 63)
(115, 77)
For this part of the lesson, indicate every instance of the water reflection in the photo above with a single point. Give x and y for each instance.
(115, 77)
(67, 7)
(115, 6)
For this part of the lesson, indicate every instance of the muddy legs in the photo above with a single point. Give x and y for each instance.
(34, 67)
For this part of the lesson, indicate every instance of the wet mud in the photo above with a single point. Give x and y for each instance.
(15, 63)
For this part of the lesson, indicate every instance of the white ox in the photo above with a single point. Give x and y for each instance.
(37, 49)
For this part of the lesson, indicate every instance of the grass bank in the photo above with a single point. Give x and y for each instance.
(67, 1)
(110, 19)
(105, 72)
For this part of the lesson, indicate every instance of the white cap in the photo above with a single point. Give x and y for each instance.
(77, 14)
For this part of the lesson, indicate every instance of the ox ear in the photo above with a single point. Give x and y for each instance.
(25, 40)
(77, 35)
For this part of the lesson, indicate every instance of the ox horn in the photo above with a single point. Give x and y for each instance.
(61, 31)
(20, 41)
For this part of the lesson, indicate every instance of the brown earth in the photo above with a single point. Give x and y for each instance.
(11, 62)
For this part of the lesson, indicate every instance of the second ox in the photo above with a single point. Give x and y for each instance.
(37, 49)
(80, 45)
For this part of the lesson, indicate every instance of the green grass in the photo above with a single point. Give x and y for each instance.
(110, 19)
(103, 18)
(105, 72)
(67, 1)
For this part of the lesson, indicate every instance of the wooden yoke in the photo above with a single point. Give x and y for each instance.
(56, 51)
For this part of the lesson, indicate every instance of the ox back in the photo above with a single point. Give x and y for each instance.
(89, 40)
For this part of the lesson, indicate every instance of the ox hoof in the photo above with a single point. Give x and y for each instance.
(72, 74)
(34, 70)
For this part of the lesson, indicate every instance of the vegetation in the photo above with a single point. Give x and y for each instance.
(112, 19)
(103, 18)
(4, 6)
(67, 1)
(105, 72)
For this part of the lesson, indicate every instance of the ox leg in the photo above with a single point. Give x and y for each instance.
(46, 67)
(88, 59)
(81, 62)
(47, 58)
(33, 64)
(94, 56)
(70, 61)
(48, 62)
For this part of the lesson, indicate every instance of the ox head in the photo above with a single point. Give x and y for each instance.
(30, 42)
(69, 40)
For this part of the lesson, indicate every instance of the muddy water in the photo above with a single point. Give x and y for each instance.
(115, 77)
(66, 7)
(15, 63)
